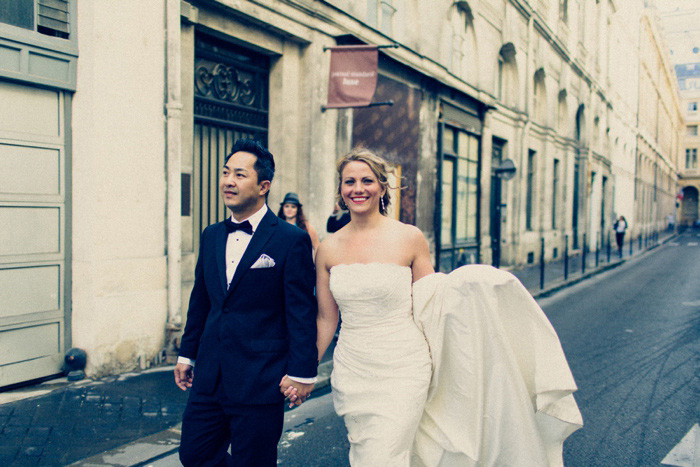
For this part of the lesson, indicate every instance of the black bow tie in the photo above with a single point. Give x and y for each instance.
(243, 226)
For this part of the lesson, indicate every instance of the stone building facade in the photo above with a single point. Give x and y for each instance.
(679, 21)
(129, 108)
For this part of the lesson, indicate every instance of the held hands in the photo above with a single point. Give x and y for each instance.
(294, 391)
(183, 376)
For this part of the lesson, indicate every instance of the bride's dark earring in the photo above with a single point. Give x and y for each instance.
(381, 203)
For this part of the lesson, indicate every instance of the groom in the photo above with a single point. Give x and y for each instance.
(251, 322)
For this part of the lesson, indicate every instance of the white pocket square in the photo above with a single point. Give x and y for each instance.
(263, 262)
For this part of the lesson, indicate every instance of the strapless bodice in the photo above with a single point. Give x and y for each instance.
(372, 294)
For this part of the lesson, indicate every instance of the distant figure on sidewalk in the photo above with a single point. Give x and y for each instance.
(291, 211)
(251, 323)
(620, 227)
(338, 219)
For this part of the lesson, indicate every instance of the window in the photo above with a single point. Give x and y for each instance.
(555, 192)
(459, 199)
(530, 188)
(499, 79)
(507, 79)
(564, 10)
(463, 53)
(380, 14)
(692, 130)
(692, 106)
(691, 158)
(49, 17)
(539, 100)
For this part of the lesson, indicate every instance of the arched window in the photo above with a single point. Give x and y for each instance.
(507, 79)
(539, 98)
(580, 134)
(562, 114)
(463, 60)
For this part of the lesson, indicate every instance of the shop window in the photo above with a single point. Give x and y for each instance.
(459, 199)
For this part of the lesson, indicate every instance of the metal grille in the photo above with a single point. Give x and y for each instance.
(231, 86)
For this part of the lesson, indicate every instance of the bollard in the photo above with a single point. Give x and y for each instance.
(542, 263)
(566, 257)
(608, 247)
(583, 255)
(597, 249)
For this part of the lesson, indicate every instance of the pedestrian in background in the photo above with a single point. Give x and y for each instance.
(620, 227)
(292, 212)
(338, 219)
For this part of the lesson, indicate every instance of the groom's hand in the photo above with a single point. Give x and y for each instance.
(183, 376)
(295, 391)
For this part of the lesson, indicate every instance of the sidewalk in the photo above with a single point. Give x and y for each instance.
(554, 270)
(133, 419)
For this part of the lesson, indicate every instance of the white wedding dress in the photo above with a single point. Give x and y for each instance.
(461, 369)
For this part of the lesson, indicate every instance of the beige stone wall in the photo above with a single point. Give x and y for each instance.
(118, 194)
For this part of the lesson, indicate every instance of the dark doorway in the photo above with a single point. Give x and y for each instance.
(496, 202)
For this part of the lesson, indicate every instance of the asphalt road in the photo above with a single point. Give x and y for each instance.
(632, 338)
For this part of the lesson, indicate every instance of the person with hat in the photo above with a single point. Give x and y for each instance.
(291, 211)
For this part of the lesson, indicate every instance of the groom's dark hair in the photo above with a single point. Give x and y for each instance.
(264, 163)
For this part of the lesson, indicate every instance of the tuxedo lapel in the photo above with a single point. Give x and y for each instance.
(262, 234)
(220, 238)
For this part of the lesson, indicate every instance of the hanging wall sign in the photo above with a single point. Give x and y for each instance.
(353, 76)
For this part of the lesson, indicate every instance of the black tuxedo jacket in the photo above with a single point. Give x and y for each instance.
(260, 328)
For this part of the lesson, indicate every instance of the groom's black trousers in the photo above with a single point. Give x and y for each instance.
(210, 424)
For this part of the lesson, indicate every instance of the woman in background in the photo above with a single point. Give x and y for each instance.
(291, 211)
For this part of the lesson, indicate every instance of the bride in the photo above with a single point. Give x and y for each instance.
(433, 369)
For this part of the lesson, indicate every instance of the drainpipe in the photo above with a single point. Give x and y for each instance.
(524, 147)
(173, 110)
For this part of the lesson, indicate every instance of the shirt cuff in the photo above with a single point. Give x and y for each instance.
(185, 360)
(302, 380)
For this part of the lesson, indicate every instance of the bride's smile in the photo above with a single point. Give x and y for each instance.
(360, 188)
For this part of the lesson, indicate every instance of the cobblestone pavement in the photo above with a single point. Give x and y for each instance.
(80, 420)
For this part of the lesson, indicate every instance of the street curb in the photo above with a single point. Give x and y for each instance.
(140, 452)
(143, 451)
(546, 292)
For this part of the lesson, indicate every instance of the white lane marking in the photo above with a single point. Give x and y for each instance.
(684, 454)
(693, 303)
(674, 243)
(692, 243)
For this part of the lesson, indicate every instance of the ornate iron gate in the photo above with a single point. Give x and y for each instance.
(230, 102)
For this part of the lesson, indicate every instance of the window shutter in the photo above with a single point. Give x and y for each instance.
(53, 15)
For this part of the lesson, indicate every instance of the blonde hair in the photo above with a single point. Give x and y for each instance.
(377, 165)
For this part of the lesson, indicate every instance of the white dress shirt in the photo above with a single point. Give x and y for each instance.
(236, 245)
